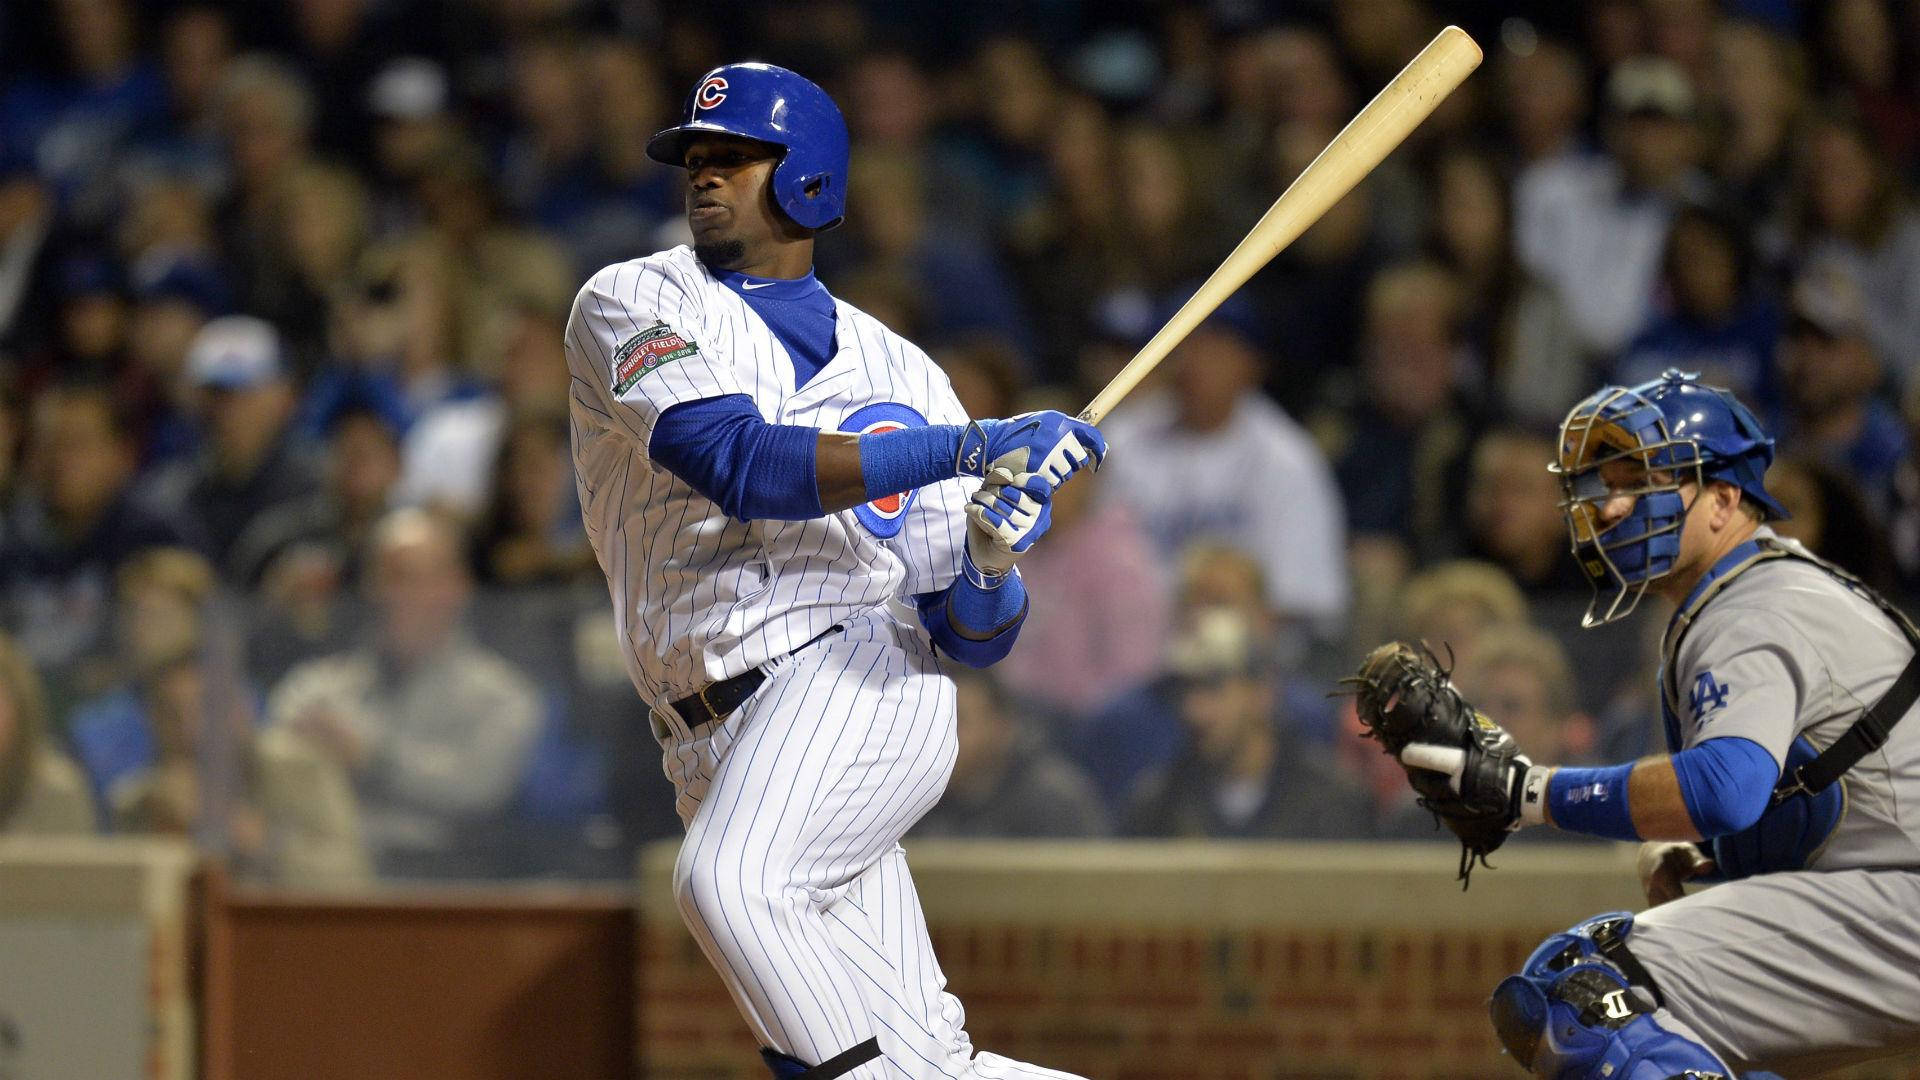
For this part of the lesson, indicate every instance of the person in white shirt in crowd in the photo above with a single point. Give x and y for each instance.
(1595, 226)
(1253, 476)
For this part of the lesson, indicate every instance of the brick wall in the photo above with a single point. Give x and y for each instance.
(1184, 962)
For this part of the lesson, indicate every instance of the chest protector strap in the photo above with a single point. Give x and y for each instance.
(1870, 731)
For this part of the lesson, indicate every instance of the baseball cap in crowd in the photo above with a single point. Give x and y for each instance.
(173, 277)
(237, 352)
(1827, 297)
(1236, 315)
(1650, 86)
(410, 88)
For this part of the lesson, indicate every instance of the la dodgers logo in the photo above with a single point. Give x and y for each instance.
(711, 93)
(1709, 694)
(886, 516)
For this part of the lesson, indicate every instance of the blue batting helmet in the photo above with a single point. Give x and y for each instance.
(1670, 431)
(773, 105)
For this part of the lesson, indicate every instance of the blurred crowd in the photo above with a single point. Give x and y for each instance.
(290, 557)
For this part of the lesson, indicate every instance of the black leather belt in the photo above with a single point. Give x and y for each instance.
(716, 700)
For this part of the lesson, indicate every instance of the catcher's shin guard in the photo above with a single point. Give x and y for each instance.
(789, 1068)
(1582, 1009)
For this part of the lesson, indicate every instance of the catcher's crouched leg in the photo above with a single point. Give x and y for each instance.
(1583, 1009)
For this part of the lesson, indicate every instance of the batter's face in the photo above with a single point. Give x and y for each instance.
(730, 201)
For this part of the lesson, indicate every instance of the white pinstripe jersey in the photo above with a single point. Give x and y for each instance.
(700, 596)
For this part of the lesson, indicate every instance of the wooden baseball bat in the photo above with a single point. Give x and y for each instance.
(1366, 140)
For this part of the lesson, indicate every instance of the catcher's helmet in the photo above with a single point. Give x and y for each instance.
(773, 105)
(1675, 430)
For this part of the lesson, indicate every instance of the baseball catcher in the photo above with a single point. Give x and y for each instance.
(1466, 769)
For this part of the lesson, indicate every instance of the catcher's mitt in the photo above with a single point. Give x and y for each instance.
(1403, 697)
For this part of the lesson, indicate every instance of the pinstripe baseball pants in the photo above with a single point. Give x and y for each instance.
(792, 877)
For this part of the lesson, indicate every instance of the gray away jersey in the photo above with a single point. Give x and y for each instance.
(1786, 651)
(699, 596)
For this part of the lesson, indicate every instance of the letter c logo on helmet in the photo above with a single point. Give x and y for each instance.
(711, 93)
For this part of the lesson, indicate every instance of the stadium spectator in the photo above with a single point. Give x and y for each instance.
(1831, 371)
(252, 463)
(1249, 474)
(1832, 518)
(958, 279)
(361, 469)
(1852, 210)
(91, 330)
(1515, 324)
(628, 194)
(266, 119)
(1139, 729)
(1757, 88)
(174, 297)
(161, 599)
(1314, 294)
(41, 792)
(1513, 514)
(530, 533)
(434, 730)
(75, 125)
(1394, 450)
(1594, 226)
(1451, 605)
(1100, 600)
(286, 814)
(77, 521)
(1245, 772)
(450, 451)
(1543, 99)
(1718, 324)
(1862, 51)
(399, 335)
(1007, 781)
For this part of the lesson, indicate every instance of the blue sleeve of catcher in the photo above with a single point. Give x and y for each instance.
(1003, 609)
(1726, 783)
(752, 469)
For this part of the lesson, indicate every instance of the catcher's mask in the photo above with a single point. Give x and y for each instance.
(1647, 443)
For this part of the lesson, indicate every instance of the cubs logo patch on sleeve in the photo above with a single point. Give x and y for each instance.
(645, 351)
(883, 517)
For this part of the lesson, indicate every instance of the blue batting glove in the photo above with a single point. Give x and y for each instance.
(1049, 444)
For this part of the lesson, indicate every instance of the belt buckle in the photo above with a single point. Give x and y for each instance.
(713, 714)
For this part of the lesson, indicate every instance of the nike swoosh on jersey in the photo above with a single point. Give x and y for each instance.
(756, 285)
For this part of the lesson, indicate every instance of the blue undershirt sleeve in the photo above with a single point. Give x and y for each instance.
(723, 449)
(998, 612)
(1726, 783)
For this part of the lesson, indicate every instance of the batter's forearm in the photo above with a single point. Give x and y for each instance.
(838, 473)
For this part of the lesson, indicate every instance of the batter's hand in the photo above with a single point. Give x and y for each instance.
(1665, 868)
(1004, 519)
(1048, 444)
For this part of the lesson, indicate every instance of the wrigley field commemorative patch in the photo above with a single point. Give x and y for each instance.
(645, 351)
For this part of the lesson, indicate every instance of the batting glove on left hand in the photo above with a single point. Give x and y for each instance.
(1004, 518)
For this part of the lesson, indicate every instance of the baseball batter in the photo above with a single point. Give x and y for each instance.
(797, 521)
(1791, 777)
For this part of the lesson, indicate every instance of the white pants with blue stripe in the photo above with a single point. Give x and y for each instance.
(792, 877)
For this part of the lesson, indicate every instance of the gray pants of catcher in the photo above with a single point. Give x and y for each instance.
(1795, 973)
